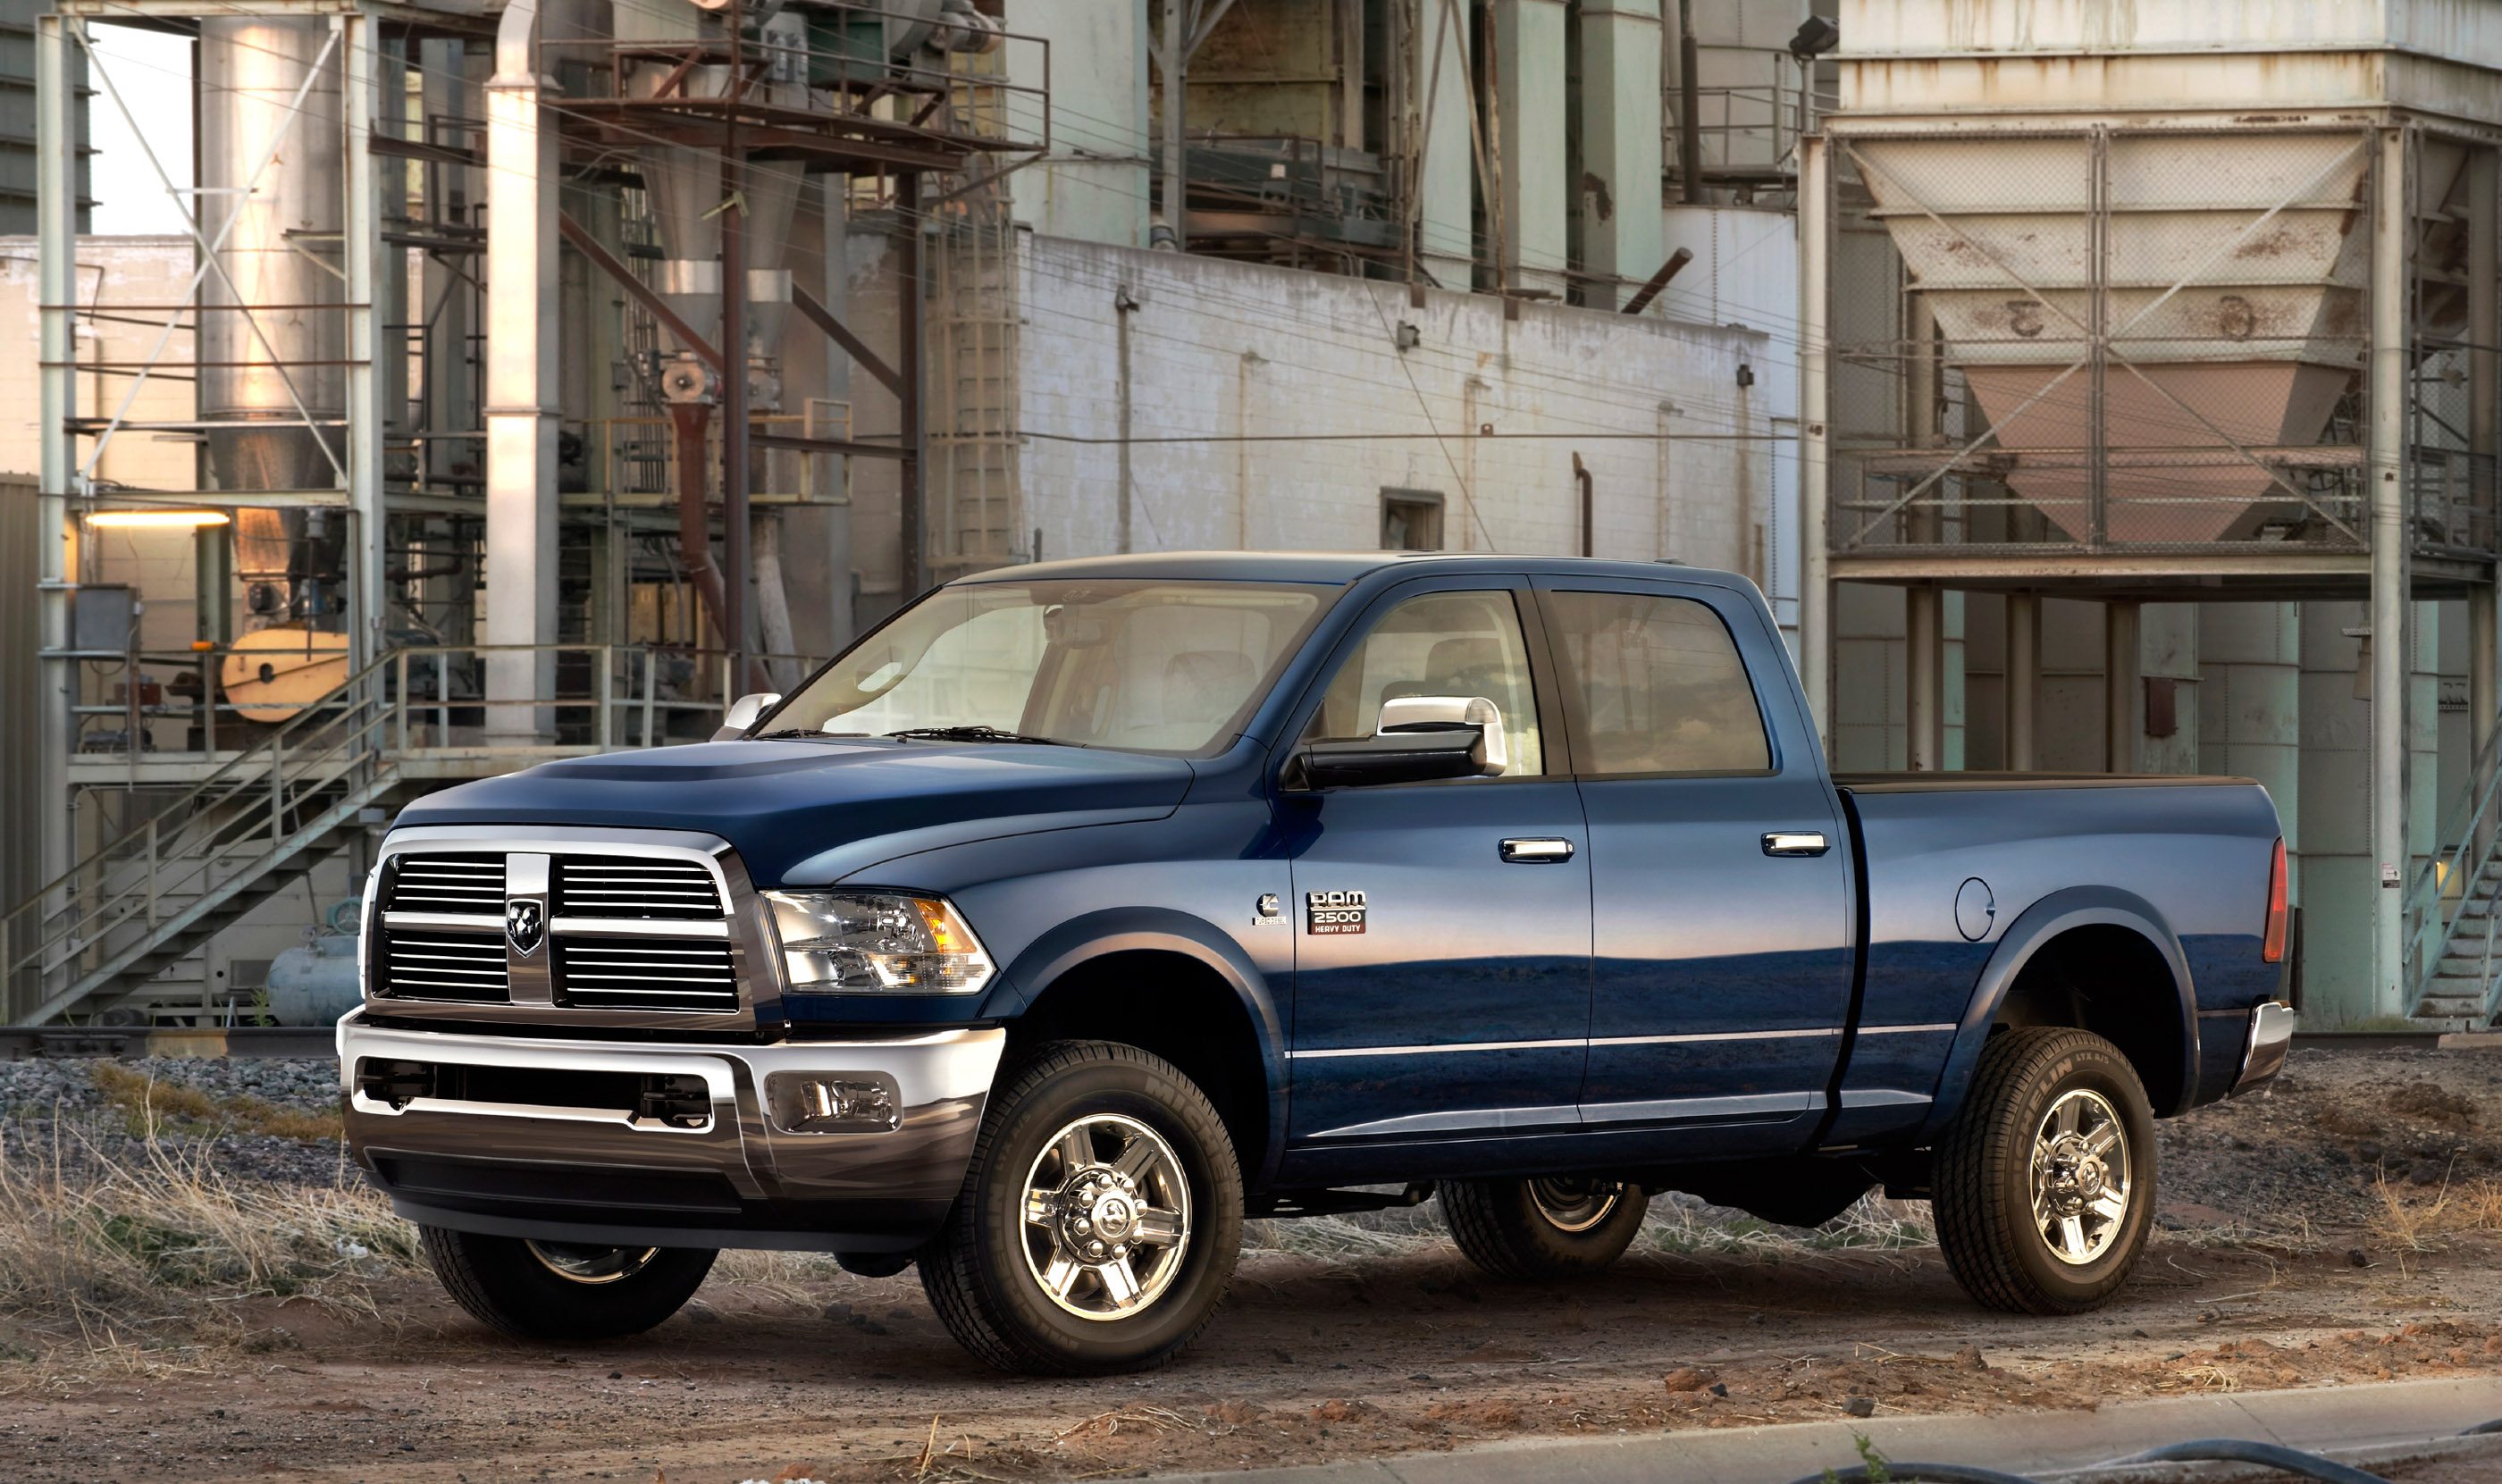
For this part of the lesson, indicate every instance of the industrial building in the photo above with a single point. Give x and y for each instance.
(421, 456)
(2085, 387)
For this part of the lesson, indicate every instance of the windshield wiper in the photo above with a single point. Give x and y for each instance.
(972, 734)
(803, 732)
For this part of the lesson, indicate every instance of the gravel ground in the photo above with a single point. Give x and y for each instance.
(33, 1088)
(2315, 1146)
(2280, 1263)
(2312, 1148)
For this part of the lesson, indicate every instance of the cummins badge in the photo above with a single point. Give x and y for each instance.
(1333, 912)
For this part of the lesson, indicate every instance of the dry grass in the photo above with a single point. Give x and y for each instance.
(152, 1106)
(103, 1257)
(1872, 1222)
(2412, 1220)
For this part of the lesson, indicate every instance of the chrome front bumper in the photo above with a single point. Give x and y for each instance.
(601, 1174)
(2263, 1047)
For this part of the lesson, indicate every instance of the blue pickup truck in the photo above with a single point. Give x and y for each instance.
(1084, 908)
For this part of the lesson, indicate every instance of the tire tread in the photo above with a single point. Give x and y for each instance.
(949, 1262)
(1972, 1157)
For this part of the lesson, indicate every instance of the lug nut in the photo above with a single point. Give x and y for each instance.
(1083, 1225)
(1095, 1248)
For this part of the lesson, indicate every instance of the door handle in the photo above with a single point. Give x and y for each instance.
(1796, 842)
(1537, 851)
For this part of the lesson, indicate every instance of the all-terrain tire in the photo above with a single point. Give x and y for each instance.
(525, 1289)
(1985, 1174)
(987, 1270)
(1543, 1229)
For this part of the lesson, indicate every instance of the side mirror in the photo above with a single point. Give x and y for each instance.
(742, 713)
(1421, 738)
(1442, 713)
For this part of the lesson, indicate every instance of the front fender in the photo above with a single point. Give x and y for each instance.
(2046, 919)
(1158, 930)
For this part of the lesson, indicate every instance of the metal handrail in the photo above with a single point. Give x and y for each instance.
(298, 783)
(2460, 871)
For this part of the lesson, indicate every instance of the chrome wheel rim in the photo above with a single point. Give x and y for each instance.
(1107, 1217)
(1575, 1205)
(2082, 1178)
(576, 1264)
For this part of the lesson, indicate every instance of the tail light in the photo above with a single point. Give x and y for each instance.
(2273, 950)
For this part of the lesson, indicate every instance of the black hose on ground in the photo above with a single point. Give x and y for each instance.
(2222, 1450)
(1919, 1473)
(2234, 1450)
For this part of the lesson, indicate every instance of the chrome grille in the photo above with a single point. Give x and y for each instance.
(447, 883)
(635, 887)
(644, 973)
(440, 965)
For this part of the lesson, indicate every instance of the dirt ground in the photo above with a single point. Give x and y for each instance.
(2287, 1257)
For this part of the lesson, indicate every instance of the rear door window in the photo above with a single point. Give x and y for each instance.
(1654, 686)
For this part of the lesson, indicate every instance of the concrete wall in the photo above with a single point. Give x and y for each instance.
(1095, 183)
(1307, 366)
(1744, 272)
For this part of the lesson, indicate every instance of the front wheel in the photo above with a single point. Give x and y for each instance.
(2044, 1179)
(1099, 1220)
(1552, 1226)
(562, 1290)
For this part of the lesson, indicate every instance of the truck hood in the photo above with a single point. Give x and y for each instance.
(807, 813)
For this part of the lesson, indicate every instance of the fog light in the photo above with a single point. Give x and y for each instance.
(834, 1102)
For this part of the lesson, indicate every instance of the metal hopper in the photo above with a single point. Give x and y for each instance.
(2205, 292)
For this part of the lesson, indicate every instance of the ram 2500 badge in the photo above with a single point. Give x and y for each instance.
(1083, 908)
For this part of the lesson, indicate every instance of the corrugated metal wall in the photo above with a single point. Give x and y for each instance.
(18, 118)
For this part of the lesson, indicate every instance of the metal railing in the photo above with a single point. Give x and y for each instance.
(142, 899)
(2451, 904)
(637, 457)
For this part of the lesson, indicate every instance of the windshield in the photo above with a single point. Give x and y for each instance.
(1142, 666)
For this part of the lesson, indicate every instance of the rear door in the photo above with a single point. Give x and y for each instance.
(1719, 869)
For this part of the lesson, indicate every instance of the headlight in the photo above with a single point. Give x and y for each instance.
(876, 943)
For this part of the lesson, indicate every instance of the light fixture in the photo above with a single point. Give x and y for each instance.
(175, 519)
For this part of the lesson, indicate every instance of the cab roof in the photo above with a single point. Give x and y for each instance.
(1330, 568)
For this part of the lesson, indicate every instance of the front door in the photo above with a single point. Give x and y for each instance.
(1442, 928)
(1720, 871)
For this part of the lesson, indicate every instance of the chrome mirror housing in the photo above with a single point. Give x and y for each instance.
(1444, 713)
(743, 713)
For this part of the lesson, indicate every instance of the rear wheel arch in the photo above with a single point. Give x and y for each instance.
(2093, 959)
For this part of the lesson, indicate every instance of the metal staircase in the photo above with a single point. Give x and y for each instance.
(261, 818)
(141, 902)
(2454, 908)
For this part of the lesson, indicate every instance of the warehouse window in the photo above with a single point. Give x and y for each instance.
(1412, 520)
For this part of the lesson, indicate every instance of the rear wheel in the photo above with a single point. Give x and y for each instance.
(1552, 1226)
(1099, 1220)
(563, 1291)
(2045, 1180)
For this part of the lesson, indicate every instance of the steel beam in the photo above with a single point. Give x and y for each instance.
(2391, 647)
(360, 220)
(522, 413)
(2484, 427)
(56, 274)
(1923, 679)
(1815, 493)
(2023, 682)
(912, 571)
(2119, 688)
